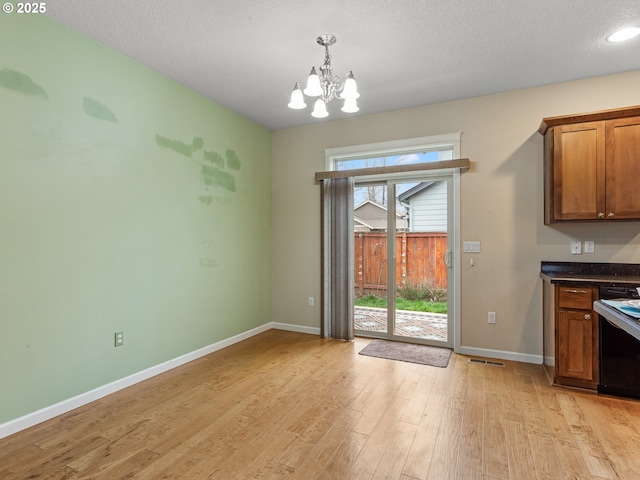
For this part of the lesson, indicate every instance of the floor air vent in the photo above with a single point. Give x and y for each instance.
(486, 362)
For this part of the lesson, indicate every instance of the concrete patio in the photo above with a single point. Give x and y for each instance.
(432, 326)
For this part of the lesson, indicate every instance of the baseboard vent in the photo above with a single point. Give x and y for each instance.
(486, 362)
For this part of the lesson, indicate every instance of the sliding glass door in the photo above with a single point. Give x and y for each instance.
(403, 251)
(370, 256)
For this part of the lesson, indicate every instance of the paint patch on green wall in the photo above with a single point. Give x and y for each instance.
(180, 147)
(214, 157)
(206, 199)
(233, 161)
(197, 144)
(175, 145)
(212, 171)
(215, 176)
(20, 82)
(98, 110)
(211, 199)
(208, 263)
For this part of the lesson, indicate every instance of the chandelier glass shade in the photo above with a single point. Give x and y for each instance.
(325, 86)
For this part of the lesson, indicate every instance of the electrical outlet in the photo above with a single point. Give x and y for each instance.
(576, 247)
(311, 301)
(119, 339)
(491, 317)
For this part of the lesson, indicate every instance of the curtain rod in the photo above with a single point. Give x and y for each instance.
(461, 163)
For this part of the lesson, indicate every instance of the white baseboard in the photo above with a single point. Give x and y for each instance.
(295, 328)
(47, 413)
(502, 355)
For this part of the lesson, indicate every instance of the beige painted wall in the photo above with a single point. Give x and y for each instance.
(501, 204)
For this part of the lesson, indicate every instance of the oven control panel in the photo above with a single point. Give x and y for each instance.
(619, 292)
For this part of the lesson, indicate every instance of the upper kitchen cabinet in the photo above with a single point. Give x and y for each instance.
(592, 166)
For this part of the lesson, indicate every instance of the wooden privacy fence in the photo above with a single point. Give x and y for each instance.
(418, 261)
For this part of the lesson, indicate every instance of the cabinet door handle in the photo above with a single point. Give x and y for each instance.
(601, 215)
(575, 291)
(611, 215)
(587, 316)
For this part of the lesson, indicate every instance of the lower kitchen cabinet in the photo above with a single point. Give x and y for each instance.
(576, 336)
(570, 326)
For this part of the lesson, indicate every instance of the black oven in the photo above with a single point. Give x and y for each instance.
(619, 351)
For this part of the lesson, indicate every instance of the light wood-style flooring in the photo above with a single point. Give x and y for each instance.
(292, 406)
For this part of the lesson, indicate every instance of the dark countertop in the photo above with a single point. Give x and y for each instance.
(606, 280)
(618, 319)
(599, 274)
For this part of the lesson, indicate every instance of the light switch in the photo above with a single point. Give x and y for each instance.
(589, 246)
(471, 247)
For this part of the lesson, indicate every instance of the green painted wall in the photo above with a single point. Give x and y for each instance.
(127, 203)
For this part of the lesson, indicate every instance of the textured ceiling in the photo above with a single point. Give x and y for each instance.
(247, 54)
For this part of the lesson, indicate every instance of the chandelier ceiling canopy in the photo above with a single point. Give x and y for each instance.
(325, 86)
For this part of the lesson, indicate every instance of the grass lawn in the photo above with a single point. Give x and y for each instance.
(402, 304)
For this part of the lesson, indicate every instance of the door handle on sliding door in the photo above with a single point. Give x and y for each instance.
(446, 258)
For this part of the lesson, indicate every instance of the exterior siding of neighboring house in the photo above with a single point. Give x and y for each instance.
(372, 217)
(427, 203)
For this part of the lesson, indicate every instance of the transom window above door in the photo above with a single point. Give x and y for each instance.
(435, 155)
(412, 151)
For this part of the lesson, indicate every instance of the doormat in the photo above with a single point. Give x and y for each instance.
(408, 352)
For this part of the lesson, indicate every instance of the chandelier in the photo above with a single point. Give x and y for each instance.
(325, 86)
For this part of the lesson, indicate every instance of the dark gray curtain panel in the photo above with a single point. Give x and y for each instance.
(337, 258)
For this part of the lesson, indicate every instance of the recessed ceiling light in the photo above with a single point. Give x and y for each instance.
(624, 34)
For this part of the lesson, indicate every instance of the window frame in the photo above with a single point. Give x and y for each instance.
(393, 147)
